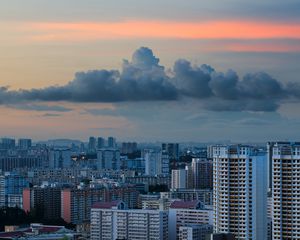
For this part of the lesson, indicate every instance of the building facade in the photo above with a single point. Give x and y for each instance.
(286, 191)
(240, 192)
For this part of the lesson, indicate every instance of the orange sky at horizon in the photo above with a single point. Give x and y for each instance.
(89, 31)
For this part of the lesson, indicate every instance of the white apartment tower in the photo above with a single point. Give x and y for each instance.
(240, 192)
(286, 191)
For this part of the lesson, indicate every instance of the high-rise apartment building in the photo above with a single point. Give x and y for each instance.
(46, 201)
(286, 191)
(60, 158)
(92, 145)
(240, 192)
(179, 179)
(100, 142)
(111, 142)
(24, 143)
(11, 190)
(7, 143)
(128, 147)
(156, 162)
(172, 149)
(76, 203)
(111, 220)
(202, 173)
(108, 158)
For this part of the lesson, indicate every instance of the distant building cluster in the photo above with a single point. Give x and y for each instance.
(113, 190)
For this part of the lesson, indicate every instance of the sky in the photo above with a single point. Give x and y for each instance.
(168, 70)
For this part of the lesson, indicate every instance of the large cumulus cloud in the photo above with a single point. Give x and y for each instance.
(144, 79)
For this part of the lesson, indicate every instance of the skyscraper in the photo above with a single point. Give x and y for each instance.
(172, 149)
(100, 142)
(111, 142)
(202, 173)
(92, 145)
(286, 191)
(240, 192)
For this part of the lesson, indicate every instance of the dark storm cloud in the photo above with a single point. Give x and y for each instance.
(143, 79)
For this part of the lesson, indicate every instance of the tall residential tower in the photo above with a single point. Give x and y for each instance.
(240, 192)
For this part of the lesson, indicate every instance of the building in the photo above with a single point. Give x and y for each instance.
(154, 201)
(195, 232)
(92, 145)
(172, 149)
(286, 191)
(11, 190)
(128, 147)
(37, 231)
(269, 217)
(12, 159)
(112, 220)
(203, 195)
(24, 143)
(202, 173)
(60, 158)
(187, 213)
(108, 158)
(7, 143)
(240, 192)
(179, 179)
(46, 201)
(149, 180)
(76, 203)
(100, 142)
(270, 147)
(156, 162)
(152, 161)
(221, 236)
(164, 165)
(111, 142)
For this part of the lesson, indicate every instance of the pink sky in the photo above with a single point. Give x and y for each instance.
(63, 31)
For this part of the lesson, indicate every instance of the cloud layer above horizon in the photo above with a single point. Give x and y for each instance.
(144, 79)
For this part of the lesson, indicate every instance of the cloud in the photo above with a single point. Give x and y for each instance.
(144, 79)
(40, 107)
(51, 115)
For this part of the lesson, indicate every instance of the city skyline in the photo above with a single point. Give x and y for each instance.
(63, 72)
